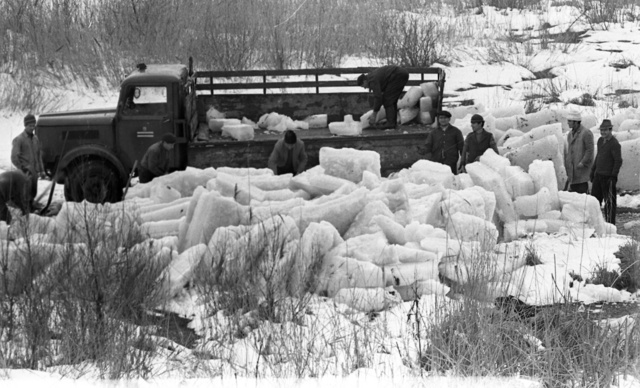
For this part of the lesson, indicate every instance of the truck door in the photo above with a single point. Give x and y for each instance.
(145, 115)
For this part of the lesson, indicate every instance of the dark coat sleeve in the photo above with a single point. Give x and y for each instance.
(275, 158)
(616, 154)
(493, 145)
(302, 157)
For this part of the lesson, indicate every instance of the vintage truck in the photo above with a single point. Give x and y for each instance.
(93, 152)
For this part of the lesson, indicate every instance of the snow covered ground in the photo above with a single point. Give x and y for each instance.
(583, 68)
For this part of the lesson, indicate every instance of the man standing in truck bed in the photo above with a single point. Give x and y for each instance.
(26, 155)
(156, 160)
(386, 83)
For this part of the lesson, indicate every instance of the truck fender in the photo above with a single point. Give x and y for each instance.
(91, 151)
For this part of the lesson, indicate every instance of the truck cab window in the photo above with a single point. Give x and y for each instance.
(145, 101)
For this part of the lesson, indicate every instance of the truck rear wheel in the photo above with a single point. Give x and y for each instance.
(93, 180)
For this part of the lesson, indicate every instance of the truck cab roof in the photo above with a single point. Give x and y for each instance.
(157, 74)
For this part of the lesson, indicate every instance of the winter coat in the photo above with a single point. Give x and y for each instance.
(14, 189)
(156, 160)
(444, 146)
(278, 156)
(26, 154)
(474, 148)
(387, 83)
(608, 159)
(580, 149)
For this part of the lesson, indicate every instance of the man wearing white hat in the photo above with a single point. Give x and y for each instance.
(579, 156)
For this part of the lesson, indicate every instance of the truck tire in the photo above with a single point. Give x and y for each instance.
(94, 180)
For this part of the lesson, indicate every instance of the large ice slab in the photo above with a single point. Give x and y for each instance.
(465, 227)
(339, 272)
(518, 182)
(349, 163)
(629, 176)
(462, 201)
(340, 212)
(543, 175)
(583, 206)
(211, 211)
(543, 149)
(490, 180)
(533, 205)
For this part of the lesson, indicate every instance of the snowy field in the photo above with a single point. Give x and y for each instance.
(588, 68)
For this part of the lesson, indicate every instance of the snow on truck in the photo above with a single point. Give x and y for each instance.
(93, 151)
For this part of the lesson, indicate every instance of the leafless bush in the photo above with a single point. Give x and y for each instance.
(607, 12)
(408, 39)
(86, 291)
(515, 4)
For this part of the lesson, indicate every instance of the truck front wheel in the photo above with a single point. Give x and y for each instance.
(93, 180)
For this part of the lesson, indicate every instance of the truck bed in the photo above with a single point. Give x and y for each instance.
(299, 94)
(398, 149)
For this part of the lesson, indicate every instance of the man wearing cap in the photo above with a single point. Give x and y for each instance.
(477, 142)
(156, 160)
(445, 142)
(579, 156)
(604, 173)
(386, 83)
(288, 155)
(26, 155)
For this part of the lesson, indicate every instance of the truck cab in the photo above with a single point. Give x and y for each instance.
(93, 152)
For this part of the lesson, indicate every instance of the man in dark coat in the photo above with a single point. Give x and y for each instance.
(445, 142)
(14, 190)
(477, 142)
(386, 83)
(26, 154)
(157, 159)
(604, 173)
(288, 155)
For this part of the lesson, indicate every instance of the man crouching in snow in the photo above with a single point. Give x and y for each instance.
(14, 188)
(288, 155)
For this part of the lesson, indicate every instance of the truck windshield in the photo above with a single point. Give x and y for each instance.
(146, 100)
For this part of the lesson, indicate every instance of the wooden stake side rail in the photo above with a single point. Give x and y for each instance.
(268, 80)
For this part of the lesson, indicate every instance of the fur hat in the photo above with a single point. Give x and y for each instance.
(29, 119)
(574, 115)
(444, 113)
(606, 124)
(477, 118)
(169, 138)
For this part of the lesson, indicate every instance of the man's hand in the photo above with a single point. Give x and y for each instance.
(43, 175)
(580, 165)
(372, 118)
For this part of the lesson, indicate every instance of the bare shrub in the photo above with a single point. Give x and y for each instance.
(605, 12)
(515, 4)
(408, 39)
(86, 291)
